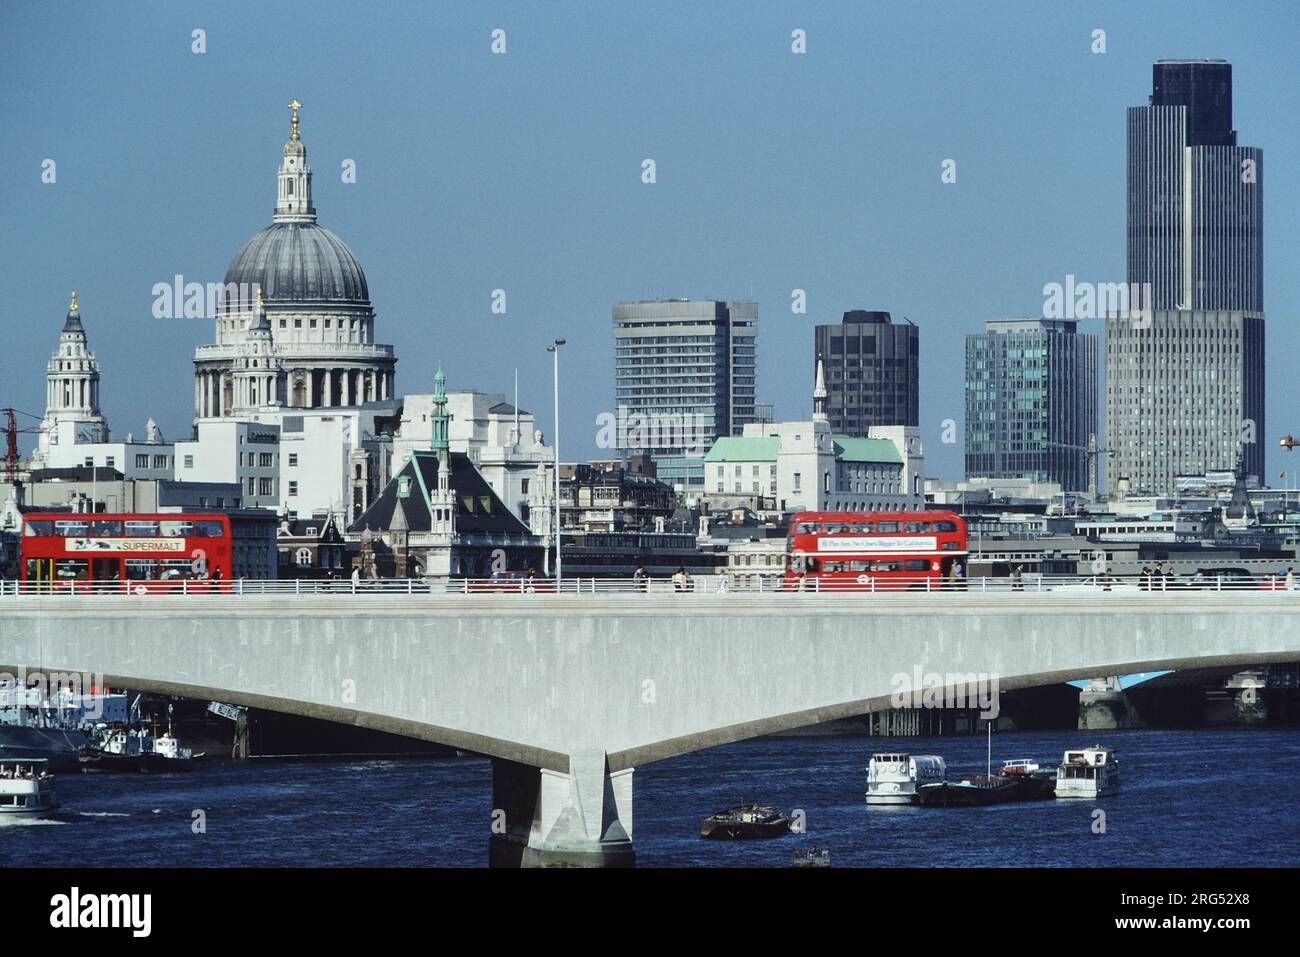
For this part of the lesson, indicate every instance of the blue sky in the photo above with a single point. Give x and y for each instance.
(521, 171)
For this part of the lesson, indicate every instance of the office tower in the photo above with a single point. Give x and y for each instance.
(1184, 395)
(1031, 401)
(683, 376)
(872, 371)
(1185, 381)
(1195, 198)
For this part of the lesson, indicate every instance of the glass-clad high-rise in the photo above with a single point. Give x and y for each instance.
(1031, 401)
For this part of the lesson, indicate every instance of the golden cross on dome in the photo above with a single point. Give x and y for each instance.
(295, 106)
(72, 306)
(259, 297)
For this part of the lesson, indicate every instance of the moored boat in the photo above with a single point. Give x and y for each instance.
(1088, 773)
(971, 792)
(895, 778)
(26, 789)
(746, 822)
(1036, 783)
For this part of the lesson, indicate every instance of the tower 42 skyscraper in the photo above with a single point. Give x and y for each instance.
(1185, 378)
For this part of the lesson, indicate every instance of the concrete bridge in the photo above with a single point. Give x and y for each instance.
(569, 693)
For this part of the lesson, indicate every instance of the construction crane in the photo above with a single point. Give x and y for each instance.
(1093, 451)
(12, 432)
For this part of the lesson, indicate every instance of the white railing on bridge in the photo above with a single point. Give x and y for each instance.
(692, 585)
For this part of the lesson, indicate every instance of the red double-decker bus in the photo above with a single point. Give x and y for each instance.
(129, 553)
(874, 551)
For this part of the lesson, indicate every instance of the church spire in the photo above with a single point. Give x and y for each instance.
(441, 445)
(819, 393)
(293, 198)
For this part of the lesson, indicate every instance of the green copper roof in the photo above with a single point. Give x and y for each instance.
(849, 449)
(744, 448)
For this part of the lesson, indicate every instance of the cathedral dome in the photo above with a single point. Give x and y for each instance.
(300, 262)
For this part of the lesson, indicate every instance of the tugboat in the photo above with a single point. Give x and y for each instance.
(896, 778)
(745, 823)
(1088, 773)
(26, 789)
(135, 749)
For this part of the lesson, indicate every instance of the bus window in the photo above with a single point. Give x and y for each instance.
(174, 569)
(105, 569)
(859, 528)
(860, 566)
(36, 528)
(105, 528)
(208, 530)
(806, 528)
(945, 526)
(889, 566)
(71, 528)
(834, 528)
(141, 569)
(917, 528)
(176, 529)
(138, 529)
(887, 528)
(76, 569)
(917, 565)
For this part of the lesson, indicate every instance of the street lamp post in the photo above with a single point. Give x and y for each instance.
(554, 350)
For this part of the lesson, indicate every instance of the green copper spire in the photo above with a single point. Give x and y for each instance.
(440, 417)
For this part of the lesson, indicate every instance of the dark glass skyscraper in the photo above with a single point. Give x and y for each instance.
(872, 370)
(1030, 382)
(1185, 379)
(1195, 198)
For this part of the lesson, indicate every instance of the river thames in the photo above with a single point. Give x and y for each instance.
(1188, 798)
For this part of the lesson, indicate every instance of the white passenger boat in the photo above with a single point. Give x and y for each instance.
(1088, 773)
(894, 778)
(26, 789)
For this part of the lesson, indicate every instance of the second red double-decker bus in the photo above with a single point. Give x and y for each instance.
(874, 551)
(134, 552)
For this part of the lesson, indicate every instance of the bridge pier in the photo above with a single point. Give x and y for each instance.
(545, 818)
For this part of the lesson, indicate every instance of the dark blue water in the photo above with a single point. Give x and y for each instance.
(1204, 798)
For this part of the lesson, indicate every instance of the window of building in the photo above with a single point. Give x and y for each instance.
(293, 488)
(160, 461)
(142, 461)
(293, 459)
(189, 461)
(265, 459)
(266, 486)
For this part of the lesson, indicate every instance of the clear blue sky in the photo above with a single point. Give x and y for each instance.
(775, 171)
